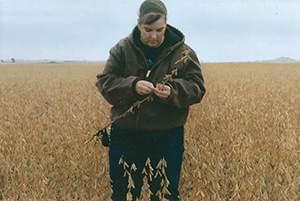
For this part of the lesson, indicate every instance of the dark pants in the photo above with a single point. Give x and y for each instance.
(135, 146)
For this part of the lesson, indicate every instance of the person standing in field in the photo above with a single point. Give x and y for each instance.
(134, 70)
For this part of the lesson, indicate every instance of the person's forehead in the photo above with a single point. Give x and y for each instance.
(156, 25)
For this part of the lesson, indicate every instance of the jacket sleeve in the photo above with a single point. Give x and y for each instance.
(112, 84)
(188, 88)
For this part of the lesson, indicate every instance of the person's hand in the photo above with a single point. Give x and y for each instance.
(144, 87)
(162, 91)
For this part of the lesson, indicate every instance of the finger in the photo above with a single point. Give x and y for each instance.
(159, 86)
(150, 86)
(146, 90)
(161, 90)
(160, 94)
(163, 94)
(162, 87)
(146, 83)
(144, 87)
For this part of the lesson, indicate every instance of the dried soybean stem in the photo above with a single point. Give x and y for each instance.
(149, 98)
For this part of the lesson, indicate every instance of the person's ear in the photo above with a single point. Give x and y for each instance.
(139, 27)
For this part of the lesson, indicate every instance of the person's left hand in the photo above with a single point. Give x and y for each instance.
(162, 91)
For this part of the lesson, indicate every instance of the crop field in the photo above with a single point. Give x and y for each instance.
(242, 141)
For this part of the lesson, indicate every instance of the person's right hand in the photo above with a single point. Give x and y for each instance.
(144, 87)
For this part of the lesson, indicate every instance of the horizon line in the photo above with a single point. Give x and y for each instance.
(20, 60)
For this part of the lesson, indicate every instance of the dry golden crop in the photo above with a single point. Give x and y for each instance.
(242, 141)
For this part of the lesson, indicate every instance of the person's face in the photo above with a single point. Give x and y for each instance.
(153, 35)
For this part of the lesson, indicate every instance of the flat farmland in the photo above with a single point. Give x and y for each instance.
(242, 141)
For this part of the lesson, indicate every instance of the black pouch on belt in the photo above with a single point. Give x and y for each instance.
(104, 135)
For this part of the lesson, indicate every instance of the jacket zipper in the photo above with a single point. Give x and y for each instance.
(148, 73)
(147, 77)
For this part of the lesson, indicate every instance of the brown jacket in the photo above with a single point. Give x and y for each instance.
(127, 64)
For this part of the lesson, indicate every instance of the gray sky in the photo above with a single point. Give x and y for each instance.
(232, 30)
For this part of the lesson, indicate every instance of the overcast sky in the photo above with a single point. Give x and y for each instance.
(219, 30)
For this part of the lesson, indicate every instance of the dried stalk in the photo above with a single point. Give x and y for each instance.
(149, 98)
(164, 192)
(128, 171)
(147, 179)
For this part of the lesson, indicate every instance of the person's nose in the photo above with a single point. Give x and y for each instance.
(153, 36)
